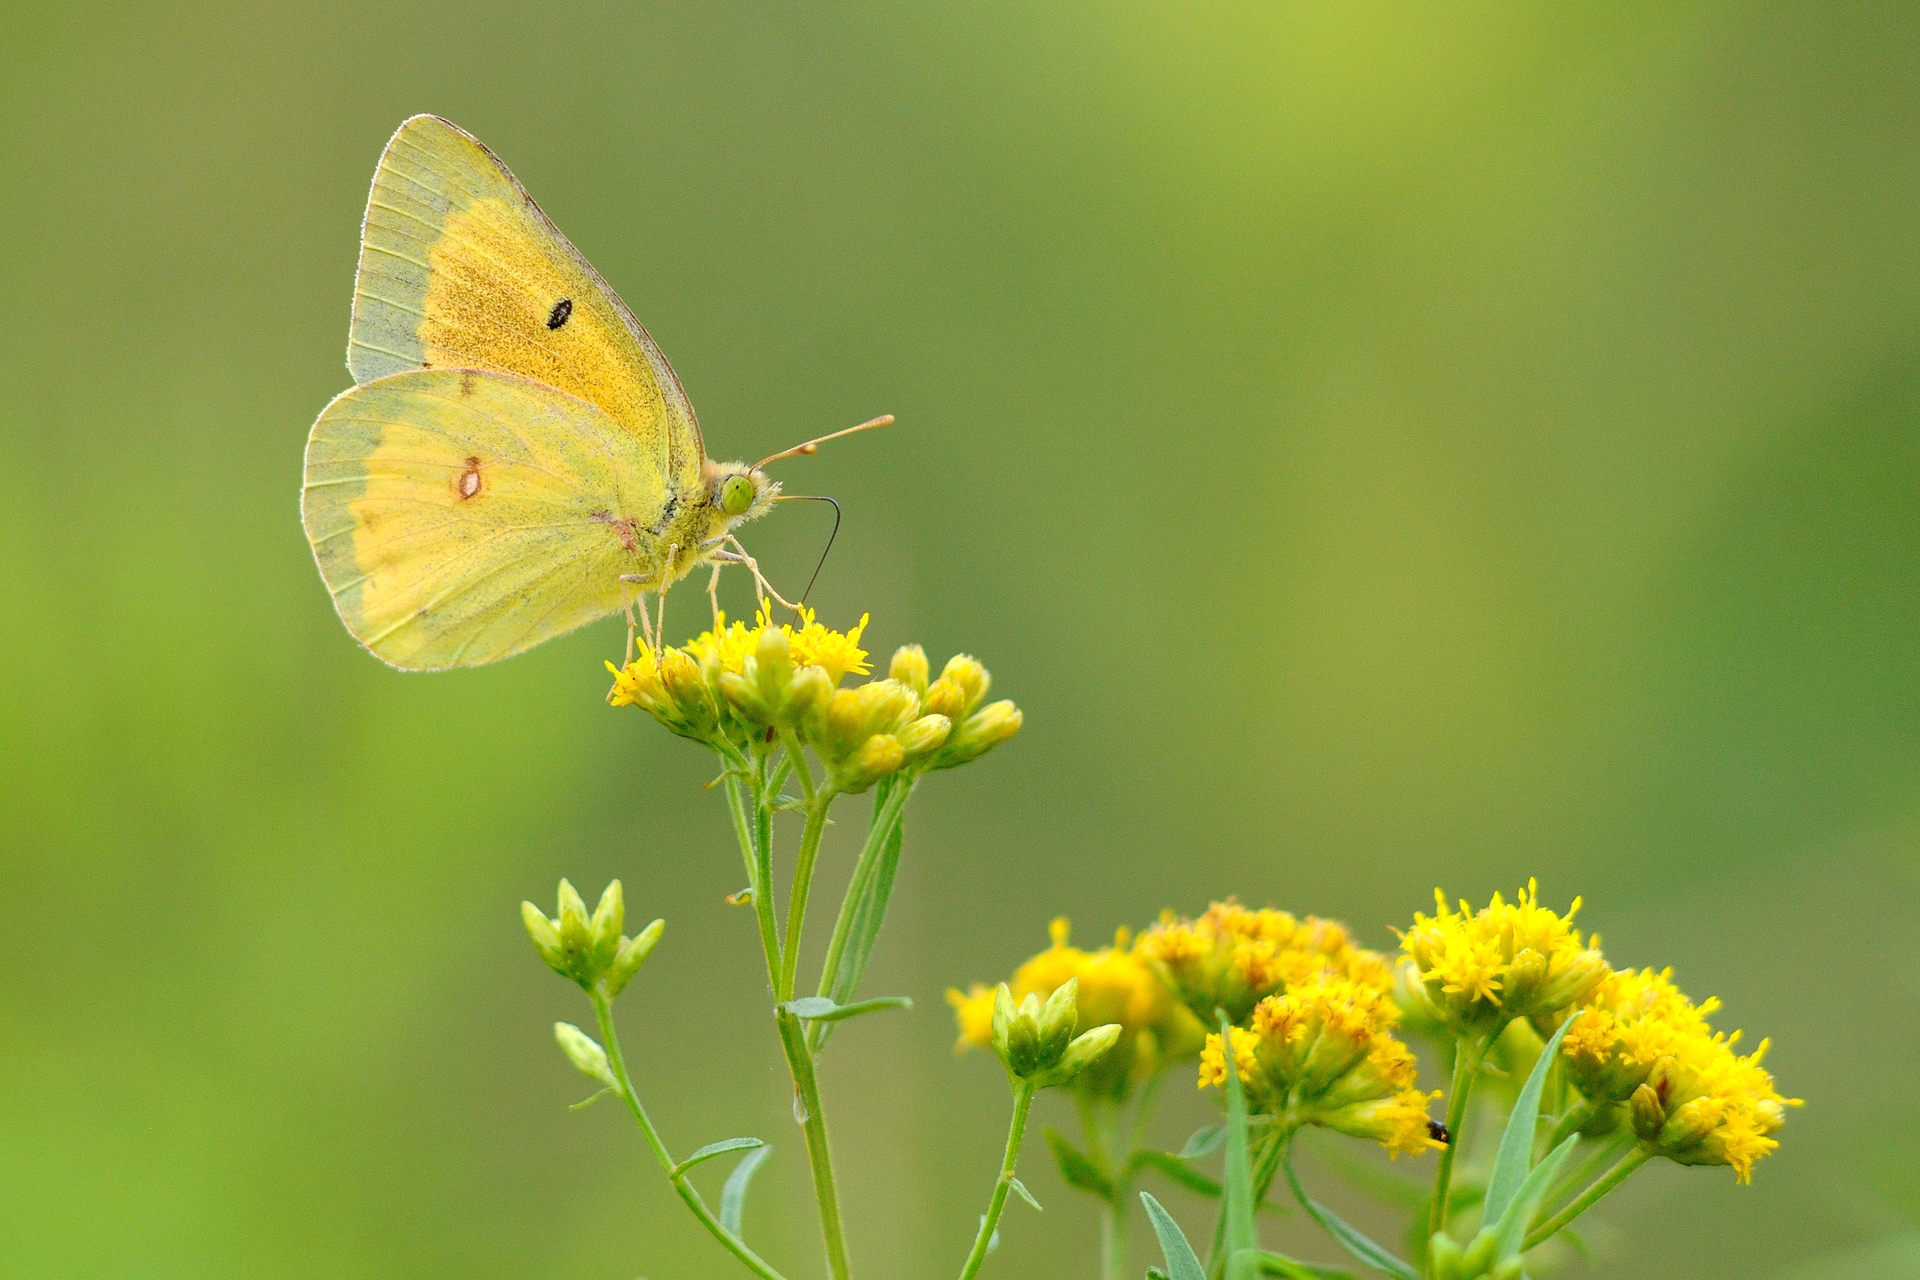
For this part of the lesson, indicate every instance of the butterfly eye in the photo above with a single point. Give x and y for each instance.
(736, 495)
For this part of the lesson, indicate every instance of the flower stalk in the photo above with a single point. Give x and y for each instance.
(1016, 1131)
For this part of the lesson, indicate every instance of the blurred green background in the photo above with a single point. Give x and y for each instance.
(1380, 446)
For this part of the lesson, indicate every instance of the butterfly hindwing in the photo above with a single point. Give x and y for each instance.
(460, 517)
(459, 268)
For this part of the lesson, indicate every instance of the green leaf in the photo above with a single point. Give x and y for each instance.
(1238, 1208)
(584, 1103)
(1516, 1144)
(821, 1009)
(713, 1149)
(1511, 1228)
(733, 1193)
(1171, 1165)
(1020, 1189)
(1155, 1273)
(1278, 1264)
(1343, 1235)
(869, 907)
(1204, 1142)
(1076, 1170)
(1181, 1262)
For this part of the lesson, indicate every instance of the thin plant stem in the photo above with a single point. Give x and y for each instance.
(1578, 1117)
(1609, 1151)
(797, 762)
(813, 1119)
(1022, 1103)
(1266, 1154)
(1590, 1197)
(623, 1085)
(759, 862)
(1143, 1111)
(885, 818)
(1466, 1066)
(817, 807)
(1113, 1208)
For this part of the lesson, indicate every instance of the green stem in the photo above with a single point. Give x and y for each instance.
(806, 1092)
(797, 762)
(1578, 1117)
(1022, 1103)
(1588, 1198)
(885, 818)
(817, 806)
(1466, 1066)
(1266, 1164)
(1113, 1210)
(759, 860)
(623, 1085)
(1608, 1152)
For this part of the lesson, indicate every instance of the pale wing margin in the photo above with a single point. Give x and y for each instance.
(461, 517)
(430, 170)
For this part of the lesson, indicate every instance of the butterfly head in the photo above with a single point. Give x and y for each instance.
(741, 492)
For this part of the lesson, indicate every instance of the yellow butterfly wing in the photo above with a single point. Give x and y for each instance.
(460, 517)
(459, 268)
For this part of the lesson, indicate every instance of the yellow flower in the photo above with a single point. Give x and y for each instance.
(1232, 957)
(1479, 970)
(815, 645)
(1323, 1053)
(1114, 987)
(1707, 1105)
(1628, 1023)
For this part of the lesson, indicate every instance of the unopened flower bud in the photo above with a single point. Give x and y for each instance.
(1446, 1259)
(1057, 1019)
(576, 932)
(1688, 1125)
(1508, 1269)
(632, 954)
(965, 671)
(608, 919)
(1649, 1117)
(877, 757)
(810, 686)
(1481, 1252)
(546, 938)
(1083, 1051)
(979, 733)
(924, 735)
(583, 1052)
(1523, 979)
(743, 695)
(945, 698)
(909, 667)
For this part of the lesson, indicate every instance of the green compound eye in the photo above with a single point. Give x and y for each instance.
(736, 495)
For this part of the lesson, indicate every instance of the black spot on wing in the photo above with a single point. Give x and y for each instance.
(561, 310)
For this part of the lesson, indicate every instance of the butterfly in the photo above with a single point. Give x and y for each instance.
(516, 458)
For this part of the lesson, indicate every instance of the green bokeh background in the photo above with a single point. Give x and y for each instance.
(1380, 446)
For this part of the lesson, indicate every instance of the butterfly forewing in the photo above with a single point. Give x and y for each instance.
(460, 517)
(459, 268)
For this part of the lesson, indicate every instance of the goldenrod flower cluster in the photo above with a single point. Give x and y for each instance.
(1323, 1053)
(1112, 986)
(734, 684)
(1477, 971)
(1231, 957)
(1690, 1097)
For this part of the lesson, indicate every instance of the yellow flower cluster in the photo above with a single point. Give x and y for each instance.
(1232, 957)
(1479, 970)
(734, 684)
(1323, 1053)
(1691, 1098)
(1114, 987)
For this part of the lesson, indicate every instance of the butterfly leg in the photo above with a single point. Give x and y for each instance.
(666, 580)
(626, 606)
(739, 556)
(713, 595)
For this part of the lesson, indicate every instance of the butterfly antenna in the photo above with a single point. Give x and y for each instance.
(816, 497)
(812, 446)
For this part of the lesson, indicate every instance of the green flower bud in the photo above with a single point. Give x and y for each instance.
(632, 954)
(1481, 1252)
(979, 734)
(1508, 1269)
(583, 1053)
(1448, 1262)
(1082, 1052)
(546, 938)
(773, 665)
(1649, 1116)
(811, 686)
(909, 667)
(576, 931)
(608, 919)
(924, 735)
(945, 698)
(742, 693)
(879, 756)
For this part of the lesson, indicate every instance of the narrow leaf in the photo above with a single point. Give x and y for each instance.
(733, 1194)
(821, 1009)
(1278, 1264)
(713, 1149)
(1020, 1189)
(1511, 1229)
(869, 909)
(1238, 1181)
(1076, 1170)
(1204, 1142)
(1345, 1236)
(1181, 1262)
(1175, 1169)
(584, 1103)
(1516, 1144)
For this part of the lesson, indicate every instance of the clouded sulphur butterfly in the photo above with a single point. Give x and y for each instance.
(516, 458)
